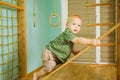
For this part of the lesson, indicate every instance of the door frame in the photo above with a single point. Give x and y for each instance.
(64, 13)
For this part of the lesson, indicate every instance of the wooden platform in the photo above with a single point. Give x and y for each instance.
(84, 72)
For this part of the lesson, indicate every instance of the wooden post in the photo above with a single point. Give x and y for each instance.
(82, 51)
(22, 38)
(118, 41)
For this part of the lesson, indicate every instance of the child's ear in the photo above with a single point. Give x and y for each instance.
(67, 25)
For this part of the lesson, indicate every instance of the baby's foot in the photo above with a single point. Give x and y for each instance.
(35, 76)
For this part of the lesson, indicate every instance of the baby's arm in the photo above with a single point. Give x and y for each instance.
(81, 40)
(75, 51)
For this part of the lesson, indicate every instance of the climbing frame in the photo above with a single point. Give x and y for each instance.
(12, 39)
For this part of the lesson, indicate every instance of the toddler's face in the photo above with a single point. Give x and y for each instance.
(75, 25)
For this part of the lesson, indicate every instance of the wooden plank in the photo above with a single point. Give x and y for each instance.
(75, 71)
(102, 73)
(71, 72)
(118, 40)
(82, 51)
(103, 65)
(11, 5)
(100, 24)
(99, 4)
(22, 53)
(108, 44)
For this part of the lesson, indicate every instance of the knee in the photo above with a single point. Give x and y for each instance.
(49, 68)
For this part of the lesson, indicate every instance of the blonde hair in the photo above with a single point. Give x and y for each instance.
(70, 18)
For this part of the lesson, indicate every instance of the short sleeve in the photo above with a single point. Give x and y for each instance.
(69, 35)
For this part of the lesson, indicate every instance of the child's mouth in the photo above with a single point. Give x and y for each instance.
(75, 30)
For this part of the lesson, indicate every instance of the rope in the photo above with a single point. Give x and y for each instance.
(34, 14)
(13, 49)
(1, 74)
(8, 74)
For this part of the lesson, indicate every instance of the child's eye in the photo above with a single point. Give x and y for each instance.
(79, 25)
(73, 24)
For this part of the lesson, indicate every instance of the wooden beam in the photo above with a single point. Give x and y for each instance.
(11, 5)
(100, 24)
(82, 51)
(99, 4)
(103, 65)
(22, 48)
(108, 44)
(109, 31)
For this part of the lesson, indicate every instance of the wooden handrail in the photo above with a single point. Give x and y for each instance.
(10, 5)
(82, 51)
(99, 4)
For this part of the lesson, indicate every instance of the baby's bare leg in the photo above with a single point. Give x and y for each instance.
(49, 67)
(39, 74)
(49, 64)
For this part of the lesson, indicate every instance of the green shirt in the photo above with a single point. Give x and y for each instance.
(62, 45)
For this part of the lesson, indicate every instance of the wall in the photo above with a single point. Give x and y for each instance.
(42, 33)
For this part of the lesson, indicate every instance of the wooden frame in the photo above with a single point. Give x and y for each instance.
(118, 41)
(22, 39)
(21, 11)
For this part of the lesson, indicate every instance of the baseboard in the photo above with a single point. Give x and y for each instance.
(27, 76)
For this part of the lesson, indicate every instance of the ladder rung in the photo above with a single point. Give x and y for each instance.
(100, 24)
(99, 4)
(108, 44)
(102, 65)
(11, 5)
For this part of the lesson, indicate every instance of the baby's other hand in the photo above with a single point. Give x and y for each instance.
(95, 42)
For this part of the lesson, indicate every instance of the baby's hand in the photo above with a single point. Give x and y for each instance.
(95, 42)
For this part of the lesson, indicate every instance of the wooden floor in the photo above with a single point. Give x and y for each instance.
(74, 71)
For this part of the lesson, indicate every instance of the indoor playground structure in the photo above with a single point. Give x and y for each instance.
(27, 25)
